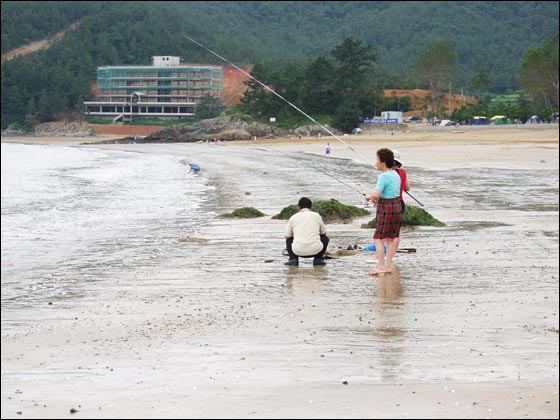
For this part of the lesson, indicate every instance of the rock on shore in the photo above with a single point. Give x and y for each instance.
(228, 128)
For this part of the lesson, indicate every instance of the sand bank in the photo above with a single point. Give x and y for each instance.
(465, 328)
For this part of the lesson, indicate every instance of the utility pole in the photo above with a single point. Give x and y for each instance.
(449, 101)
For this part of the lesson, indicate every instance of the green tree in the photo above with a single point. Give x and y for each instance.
(348, 113)
(354, 61)
(481, 81)
(436, 67)
(209, 107)
(397, 103)
(319, 86)
(538, 74)
(256, 99)
(31, 118)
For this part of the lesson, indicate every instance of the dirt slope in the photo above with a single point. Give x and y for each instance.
(419, 97)
(37, 45)
(233, 85)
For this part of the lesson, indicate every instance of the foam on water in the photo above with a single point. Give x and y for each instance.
(70, 211)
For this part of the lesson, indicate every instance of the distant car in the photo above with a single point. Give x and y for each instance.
(413, 119)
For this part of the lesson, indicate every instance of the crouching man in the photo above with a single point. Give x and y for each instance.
(306, 235)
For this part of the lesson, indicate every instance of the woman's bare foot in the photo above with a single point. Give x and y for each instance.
(378, 270)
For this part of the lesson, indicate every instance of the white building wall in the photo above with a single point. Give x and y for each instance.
(165, 61)
(391, 115)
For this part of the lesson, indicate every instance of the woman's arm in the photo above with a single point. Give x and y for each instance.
(374, 197)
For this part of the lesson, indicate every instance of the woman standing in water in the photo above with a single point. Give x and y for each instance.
(389, 211)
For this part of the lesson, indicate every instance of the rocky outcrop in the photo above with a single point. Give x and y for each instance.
(222, 128)
(63, 129)
(229, 128)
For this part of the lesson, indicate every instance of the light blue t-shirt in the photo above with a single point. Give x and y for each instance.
(389, 183)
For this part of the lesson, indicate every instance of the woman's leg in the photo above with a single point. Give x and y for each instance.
(392, 244)
(380, 255)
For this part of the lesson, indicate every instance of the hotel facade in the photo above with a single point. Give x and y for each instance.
(164, 90)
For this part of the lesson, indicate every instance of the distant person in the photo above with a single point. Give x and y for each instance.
(328, 150)
(135, 139)
(193, 168)
(306, 235)
(389, 211)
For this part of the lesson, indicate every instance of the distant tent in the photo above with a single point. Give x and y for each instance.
(500, 119)
(480, 120)
(356, 130)
(445, 123)
(534, 120)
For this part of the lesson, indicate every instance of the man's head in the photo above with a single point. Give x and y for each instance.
(304, 203)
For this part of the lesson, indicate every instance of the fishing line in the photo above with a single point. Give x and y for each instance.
(326, 173)
(291, 104)
(281, 97)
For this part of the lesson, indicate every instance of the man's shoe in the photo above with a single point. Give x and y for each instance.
(319, 261)
(292, 261)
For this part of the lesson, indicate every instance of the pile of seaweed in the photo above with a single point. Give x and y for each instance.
(413, 216)
(244, 213)
(332, 211)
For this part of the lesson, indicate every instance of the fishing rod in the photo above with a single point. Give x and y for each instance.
(289, 103)
(410, 195)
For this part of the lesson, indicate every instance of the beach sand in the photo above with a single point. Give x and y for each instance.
(467, 327)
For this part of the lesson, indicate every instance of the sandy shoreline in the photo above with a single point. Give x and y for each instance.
(423, 147)
(329, 343)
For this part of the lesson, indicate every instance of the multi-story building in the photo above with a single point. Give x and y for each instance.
(166, 89)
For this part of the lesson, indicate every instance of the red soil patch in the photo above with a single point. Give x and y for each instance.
(418, 98)
(233, 85)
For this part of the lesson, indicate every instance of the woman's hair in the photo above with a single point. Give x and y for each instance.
(386, 155)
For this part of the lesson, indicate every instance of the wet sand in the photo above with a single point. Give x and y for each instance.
(467, 327)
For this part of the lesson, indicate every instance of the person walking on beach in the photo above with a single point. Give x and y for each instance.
(193, 168)
(389, 211)
(328, 150)
(306, 235)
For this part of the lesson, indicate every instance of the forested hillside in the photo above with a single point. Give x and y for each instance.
(493, 36)
(25, 21)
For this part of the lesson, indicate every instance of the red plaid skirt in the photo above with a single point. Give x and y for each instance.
(388, 218)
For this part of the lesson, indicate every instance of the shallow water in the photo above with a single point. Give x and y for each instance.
(120, 231)
(74, 216)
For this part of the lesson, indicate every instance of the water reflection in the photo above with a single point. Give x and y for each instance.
(391, 329)
(389, 287)
(305, 281)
